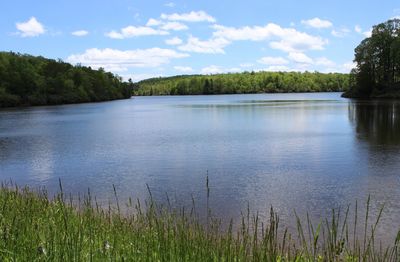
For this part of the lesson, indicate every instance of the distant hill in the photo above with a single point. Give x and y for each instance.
(27, 80)
(243, 83)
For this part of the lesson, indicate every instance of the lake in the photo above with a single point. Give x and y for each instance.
(305, 152)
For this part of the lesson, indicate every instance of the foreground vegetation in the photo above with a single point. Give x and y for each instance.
(27, 80)
(34, 228)
(244, 83)
(377, 73)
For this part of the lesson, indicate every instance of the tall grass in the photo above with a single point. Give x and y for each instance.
(35, 228)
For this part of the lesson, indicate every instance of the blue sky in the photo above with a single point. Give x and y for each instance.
(141, 39)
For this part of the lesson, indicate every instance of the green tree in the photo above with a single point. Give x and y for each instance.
(377, 73)
(29, 80)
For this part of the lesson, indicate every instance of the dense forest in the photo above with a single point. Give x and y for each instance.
(28, 80)
(243, 83)
(377, 73)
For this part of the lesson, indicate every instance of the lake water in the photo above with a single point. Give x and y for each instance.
(308, 152)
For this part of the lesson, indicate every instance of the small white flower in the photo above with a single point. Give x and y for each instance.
(106, 245)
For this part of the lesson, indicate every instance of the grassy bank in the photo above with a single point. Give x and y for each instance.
(34, 228)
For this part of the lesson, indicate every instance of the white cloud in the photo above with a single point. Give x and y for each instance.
(268, 60)
(348, 66)
(185, 69)
(296, 45)
(323, 61)
(134, 31)
(358, 29)
(194, 16)
(276, 68)
(176, 26)
(343, 68)
(214, 69)
(170, 4)
(337, 33)
(80, 33)
(174, 41)
(317, 23)
(285, 39)
(118, 60)
(303, 61)
(300, 58)
(300, 68)
(340, 32)
(246, 65)
(30, 28)
(211, 46)
(254, 33)
(153, 22)
(233, 70)
(368, 33)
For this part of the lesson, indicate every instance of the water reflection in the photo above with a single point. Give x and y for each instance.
(377, 122)
(309, 152)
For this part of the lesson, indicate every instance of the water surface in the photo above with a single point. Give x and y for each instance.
(309, 152)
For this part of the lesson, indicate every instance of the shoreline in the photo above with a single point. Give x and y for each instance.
(34, 227)
(62, 104)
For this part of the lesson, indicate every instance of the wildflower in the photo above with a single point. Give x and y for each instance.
(106, 245)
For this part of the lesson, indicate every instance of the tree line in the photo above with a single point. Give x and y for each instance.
(377, 73)
(243, 83)
(28, 80)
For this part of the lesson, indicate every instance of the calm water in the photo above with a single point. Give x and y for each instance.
(293, 151)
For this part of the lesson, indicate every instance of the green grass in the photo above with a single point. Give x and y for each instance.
(34, 228)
